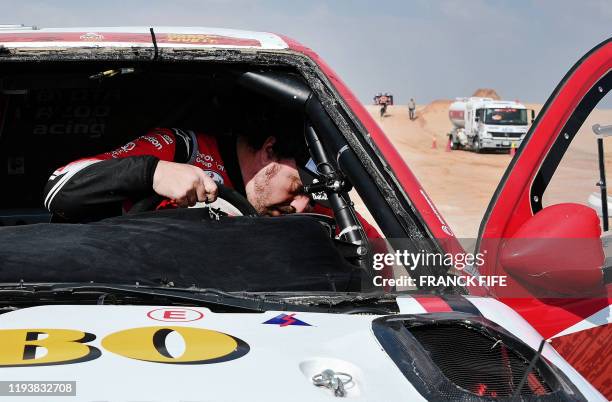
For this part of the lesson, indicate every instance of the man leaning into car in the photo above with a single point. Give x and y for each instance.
(183, 167)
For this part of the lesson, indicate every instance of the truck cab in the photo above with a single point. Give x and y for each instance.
(484, 123)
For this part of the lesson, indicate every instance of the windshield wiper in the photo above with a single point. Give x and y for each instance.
(212, 298)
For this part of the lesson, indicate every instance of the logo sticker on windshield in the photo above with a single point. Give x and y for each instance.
(284, 320)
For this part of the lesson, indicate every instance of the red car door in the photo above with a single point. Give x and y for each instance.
(553, 255)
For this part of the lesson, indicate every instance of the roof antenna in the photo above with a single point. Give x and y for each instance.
(154, 44)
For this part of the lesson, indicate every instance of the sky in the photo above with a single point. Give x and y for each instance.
(425, 49)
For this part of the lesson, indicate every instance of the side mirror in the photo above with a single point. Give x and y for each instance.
(558, 250)
(532, 115)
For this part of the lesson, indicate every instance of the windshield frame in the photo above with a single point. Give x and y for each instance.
(349, 128)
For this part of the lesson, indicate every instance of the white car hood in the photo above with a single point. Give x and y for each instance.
(278, 355)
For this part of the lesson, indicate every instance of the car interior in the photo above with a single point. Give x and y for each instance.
(67, 111)
(53, 116)
(59, 112)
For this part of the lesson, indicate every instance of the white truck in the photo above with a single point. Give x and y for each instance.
(485, 123)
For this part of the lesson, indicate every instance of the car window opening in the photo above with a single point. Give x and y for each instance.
(67, 112)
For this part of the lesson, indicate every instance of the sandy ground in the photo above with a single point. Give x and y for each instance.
(461, 183)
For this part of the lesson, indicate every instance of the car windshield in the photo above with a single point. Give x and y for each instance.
(506, 116)
(63, 119)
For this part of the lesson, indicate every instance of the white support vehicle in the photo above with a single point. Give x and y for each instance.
(484, 123)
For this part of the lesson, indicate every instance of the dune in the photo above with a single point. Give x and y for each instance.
(437, 106)
(487, 93)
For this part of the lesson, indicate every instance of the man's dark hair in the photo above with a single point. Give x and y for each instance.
(263, 121)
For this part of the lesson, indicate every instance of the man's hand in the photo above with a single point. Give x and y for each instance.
(185, 184)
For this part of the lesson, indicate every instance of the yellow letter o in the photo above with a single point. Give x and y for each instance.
(202, 346)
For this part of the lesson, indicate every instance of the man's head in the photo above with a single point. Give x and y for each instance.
(269, 153)
(272, 182)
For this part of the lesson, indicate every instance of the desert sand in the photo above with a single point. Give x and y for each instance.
(461, 183)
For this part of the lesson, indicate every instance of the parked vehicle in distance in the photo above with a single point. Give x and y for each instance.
(385, 98)
(486, 124)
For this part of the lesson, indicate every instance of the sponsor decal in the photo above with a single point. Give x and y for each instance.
(16, 165)
(91, 36)
(192, 38)
(19, 347)
(319, 196)
(130, 38)
(175, 314)
(123, 150)
(285, 320)
(205, 160)
(167, 139)
(211, 166)
(153, 141)
(127, 37)
(204, 39)
(94, 130)
(202, 346)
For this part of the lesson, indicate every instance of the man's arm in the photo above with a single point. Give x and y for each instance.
(96, 187)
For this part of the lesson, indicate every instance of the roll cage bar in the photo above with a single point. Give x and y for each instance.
(322, 139)
(337, 164)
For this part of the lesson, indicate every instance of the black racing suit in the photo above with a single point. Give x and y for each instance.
(101, 186)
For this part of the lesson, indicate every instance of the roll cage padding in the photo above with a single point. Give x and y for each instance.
(286, 89)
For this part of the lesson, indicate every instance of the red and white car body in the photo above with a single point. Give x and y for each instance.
(578, 326)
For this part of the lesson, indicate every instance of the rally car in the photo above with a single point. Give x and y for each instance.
(217, 303)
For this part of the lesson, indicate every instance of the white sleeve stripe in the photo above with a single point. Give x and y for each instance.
(180, 133)
(194, 150)
(55, 189)
(71, 170)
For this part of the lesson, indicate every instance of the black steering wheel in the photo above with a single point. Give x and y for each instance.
(227, 194)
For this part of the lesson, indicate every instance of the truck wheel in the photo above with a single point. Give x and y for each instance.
(476, 145)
